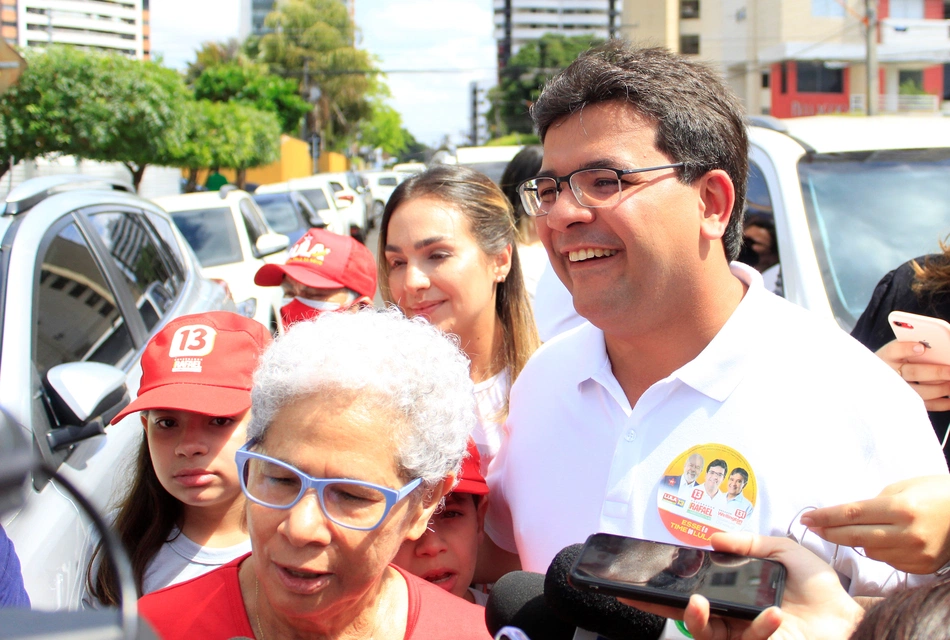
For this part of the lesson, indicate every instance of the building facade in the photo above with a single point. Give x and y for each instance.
(793, 58)
(119, 26)
(527, 20)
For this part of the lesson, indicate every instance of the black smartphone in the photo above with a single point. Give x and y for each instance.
(736, 586)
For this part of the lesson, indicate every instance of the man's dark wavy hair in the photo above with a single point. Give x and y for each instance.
(699, 120)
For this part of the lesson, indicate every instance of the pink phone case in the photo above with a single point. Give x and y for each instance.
(933, 333)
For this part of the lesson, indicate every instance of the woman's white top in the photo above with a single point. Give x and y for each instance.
(491, 397)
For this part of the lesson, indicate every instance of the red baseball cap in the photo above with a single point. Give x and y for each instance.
(201, 363)
(470, 478)
(325, 260)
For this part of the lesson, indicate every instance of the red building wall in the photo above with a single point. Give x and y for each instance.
(792, 104)
(933, 9)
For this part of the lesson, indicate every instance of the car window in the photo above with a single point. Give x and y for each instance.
(76, 317)
(316, 197)
(336, 186)
(171, 250)
(140, 262)
(871, 211)
(252, 220)
(387, 182)
(211, 234)
(307, 209)
(279, 211)
(757, 199)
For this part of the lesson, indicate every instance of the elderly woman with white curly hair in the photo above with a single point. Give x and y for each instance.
(359, 425)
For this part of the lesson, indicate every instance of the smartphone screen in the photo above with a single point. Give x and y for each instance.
(668, 574)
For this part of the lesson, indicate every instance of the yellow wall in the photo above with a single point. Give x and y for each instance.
(295, 162)
(332, 162)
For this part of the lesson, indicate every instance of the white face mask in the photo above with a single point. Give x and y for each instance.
(319, 305)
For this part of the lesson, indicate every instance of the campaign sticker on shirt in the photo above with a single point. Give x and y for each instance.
(707, 489)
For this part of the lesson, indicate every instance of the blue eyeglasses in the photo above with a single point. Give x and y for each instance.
(349, 503)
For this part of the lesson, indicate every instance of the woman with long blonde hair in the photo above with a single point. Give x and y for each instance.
(447, 252)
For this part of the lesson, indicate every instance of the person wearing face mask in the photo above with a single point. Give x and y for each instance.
(324, 272)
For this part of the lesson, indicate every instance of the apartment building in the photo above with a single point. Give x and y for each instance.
(120, 26)
(528, 20)
(793, 58)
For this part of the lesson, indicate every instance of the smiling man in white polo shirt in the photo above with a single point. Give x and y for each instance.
(639, 204)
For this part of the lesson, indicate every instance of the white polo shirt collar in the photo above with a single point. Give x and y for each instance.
(715, 372)
(721, 366)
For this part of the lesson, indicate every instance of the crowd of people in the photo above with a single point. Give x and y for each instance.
(371, 472)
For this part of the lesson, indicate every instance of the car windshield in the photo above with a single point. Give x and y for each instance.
(316, 198)
(279, 211)
(869, 212)
(211, 233)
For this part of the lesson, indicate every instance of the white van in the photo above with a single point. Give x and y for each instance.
(852, 198)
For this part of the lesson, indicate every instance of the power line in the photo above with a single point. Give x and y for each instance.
(344, 72)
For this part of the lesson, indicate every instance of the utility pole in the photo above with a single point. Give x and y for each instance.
(870, 9)
(504, 55)
(474, 135)
(612, 19)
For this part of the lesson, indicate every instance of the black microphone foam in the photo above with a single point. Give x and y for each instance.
(602, 614)
(517, 600)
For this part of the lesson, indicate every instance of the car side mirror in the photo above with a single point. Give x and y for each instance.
(270, 243)
(317, 221)
(84, 397)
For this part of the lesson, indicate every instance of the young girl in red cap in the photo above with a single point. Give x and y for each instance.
(183, 513)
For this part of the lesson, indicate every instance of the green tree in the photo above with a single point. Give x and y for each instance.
(96, 106)
(205, 122)
(521, 81)
(415, 151)
(252, 85)
(212, 54)
(34, 120)
(383, 129)
(313, 40)
(256, 140)
(227, 134)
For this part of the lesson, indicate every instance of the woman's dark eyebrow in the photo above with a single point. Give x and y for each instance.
(428, 241)
(419, 245)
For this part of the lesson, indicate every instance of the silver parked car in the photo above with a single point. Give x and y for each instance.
(88, 273)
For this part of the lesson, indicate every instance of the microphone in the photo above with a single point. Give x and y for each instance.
(602, 614)
(517, 600)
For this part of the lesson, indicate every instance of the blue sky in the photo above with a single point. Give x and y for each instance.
(435, 49)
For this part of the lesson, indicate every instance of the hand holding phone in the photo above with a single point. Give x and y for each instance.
(932, 333)
(667, 574)
(814, 605)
